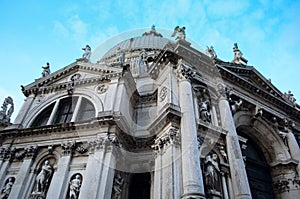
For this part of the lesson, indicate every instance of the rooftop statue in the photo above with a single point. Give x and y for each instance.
(46, 70)
(180, 32)
(290, 97)
(210, 51)
(6, 112)
(87, 52)
(152, 32)
(238, 55)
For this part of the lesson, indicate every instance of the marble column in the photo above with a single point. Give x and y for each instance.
(157, 194)
(191, 170)
(59, 180)
(294, 149)
(240, 183)
(224, 186)
(22, 176)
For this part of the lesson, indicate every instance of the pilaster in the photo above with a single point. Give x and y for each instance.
(59, 179)
(18, 190)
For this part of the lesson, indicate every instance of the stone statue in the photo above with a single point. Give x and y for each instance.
(121, 57)
(223, 153)
(75, 185)
(290, 97)
(118, 183)
(7, 188)
(204, 111)
(211, 172)
(180, 33)
(210, 51)
(4, 113)
(235, 105)
(43, 178)
(46, 70)
(238, 55)
(87, 52)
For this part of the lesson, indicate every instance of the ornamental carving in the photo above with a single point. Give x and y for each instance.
(31, 151)
(7, 110)
(104, 140)
(163, 94)
(7, 153)
(102, 88)
(222, 90)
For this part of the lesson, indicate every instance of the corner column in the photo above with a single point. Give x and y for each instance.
(238, 173)
(191, 170)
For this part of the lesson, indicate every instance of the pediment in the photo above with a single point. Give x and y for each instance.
(80, 72)
(257, 82)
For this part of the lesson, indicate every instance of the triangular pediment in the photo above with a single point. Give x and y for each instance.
(80, 72)
(256, 81)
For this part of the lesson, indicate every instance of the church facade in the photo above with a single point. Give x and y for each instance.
(152, 119)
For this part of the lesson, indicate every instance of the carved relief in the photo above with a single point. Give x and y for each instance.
(102, 88)
(117, 186)
(163, 93)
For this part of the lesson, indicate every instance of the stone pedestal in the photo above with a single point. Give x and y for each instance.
(191, 171)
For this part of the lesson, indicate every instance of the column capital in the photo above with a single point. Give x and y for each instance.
(7, 152)
(168, 138)
(68, 147)
(31, 151)
(222, 91)
(185, 72)
(104, 140)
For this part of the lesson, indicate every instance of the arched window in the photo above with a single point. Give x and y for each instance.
(43, 117)
(258, 172)
(86, 111)
(65, 110)
(69, 109)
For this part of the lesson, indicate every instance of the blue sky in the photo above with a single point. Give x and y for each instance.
(35, 32)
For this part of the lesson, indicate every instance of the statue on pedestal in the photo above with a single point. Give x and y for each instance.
(211, 172)
(180, 32)
(46, 70)
(43, 178)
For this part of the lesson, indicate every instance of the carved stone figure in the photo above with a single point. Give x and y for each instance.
(180, 33)
(210, 51)
(5, 191)
(4, 113)
(235, 105)
(43, 178)
(204, 111)
(211, 172)
(223, 153)
(121, 57)
(46, 70)
(75, 185)
(118, 183)
(238, 55)
(290, 97)
(87, 52)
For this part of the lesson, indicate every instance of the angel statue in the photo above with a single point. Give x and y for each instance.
(210, 51)
(180, 33)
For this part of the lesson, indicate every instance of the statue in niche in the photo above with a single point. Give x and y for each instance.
(87, 52)
(118, 184)
(211, 172)
(75, 185)
(5, 191)
(205, 111)
(180, 33)
(43, 178)
(223, 153)
(46, 70)
(210, 51)
(4, 113)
